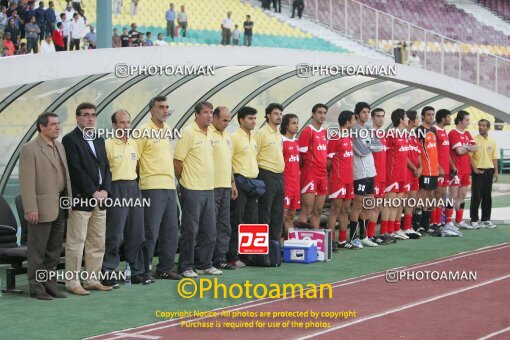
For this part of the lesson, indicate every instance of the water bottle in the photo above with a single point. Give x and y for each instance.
(127, 273)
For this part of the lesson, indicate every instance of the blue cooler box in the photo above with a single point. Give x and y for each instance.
(299, 251)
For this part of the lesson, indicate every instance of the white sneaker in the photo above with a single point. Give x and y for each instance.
(411, 233)
(475, 225)
(209, 271)
(402, 234)
(190, 274)
(451, 225)
(368, 242)
(464, 225)
(487, 224)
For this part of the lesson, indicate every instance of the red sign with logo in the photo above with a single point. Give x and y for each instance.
(253, 239)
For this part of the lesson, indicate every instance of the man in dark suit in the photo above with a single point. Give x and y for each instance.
(44, 178)
(91, 183)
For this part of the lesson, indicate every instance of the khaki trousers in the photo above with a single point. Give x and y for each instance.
(85, 231)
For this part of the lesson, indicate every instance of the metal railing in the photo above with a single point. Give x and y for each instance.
(434, 52)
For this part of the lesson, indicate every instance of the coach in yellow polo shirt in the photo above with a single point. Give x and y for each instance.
(271, 166)
(194, 167)
(157, 182)
(244, 164)
(224, 184)
(484, 164)
(124, 220)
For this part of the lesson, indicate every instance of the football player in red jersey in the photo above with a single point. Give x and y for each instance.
(313, 160)
(396, 169)
(379, 183)
(341, 168)
(292, 201)
(443, 118)
(413, 171)
(461, 144)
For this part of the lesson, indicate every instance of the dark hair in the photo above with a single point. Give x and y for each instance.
(59, 24)
(460, 116)
(286, 121)
(153, 101)
(75, 15)
(245, 111)
(114, 115)
(412, 114)
(43, 119)
(84, 106)
(201, 105)
(271, 107)
(359, 107)
(485, 121)
(344, 117)
(440, 114)
(62, 15)
(148, 33)
(396, 116)
(318, 106)
(425, 109)
(374, 111)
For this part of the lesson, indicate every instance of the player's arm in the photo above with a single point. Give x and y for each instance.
(453, 168)
(418, 171)
(411, 166)
(375, 144)
(473, 166)
(182, 147)
(361, 147)
(304, 142)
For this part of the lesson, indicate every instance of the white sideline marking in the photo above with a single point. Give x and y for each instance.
(488, 336)
(404, 307)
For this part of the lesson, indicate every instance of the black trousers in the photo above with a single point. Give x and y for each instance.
(299, 5)
(242, 210)
(271, 203)
(481, 189)
(277, 4)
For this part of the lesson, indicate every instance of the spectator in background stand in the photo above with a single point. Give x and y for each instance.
(148, 40)
(40, 16)
(32, 33)
(83, 23)
(14, 33)
(266, 4)
(8, 44)
(75, 32)
(1, 41)
(182, 17)
(116, 42)
(300, 6)
(160, 41)
(141, 40)
(77, 5)
(226, 25)
(248, 31)
(170, 21)
(91, 37)
(277, 4)
(133, 36)
(22, 49)
(3, 17)
(414, 60)
(5, 52)
(69, 12)
(124, 38)
(117, 7)
(29, 12)
(236, 35)
(58, 38)
(50, 18)
(134, 7)
(47, 46)
(65, 29)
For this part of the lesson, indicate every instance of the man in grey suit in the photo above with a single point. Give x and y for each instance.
(44, 179)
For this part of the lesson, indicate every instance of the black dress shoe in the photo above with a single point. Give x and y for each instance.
(169, 275)
(55, 293)
(41, 296)
(111, 283)
(149, 277)
(140, 279)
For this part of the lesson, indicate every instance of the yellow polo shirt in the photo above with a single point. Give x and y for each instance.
(195, 150)
(270, 149)
(156, 158)
(244, 154)
(122, 158)
(487, 151)
(222, 154)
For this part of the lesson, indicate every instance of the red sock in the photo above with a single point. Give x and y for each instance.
(371, 229)
(397, 225)
(449, 215)
(439, 215)
(384, 228)
(433, 216)
(408, 218)
(458, 215)
(342, 236)
(391, 226)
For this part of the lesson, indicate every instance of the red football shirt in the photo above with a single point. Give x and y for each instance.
(313, 146)
(380, 162)
(291, 171)
(458, 139)
(396, 157)
(413, 154)
(341, 155)
(443, 149)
